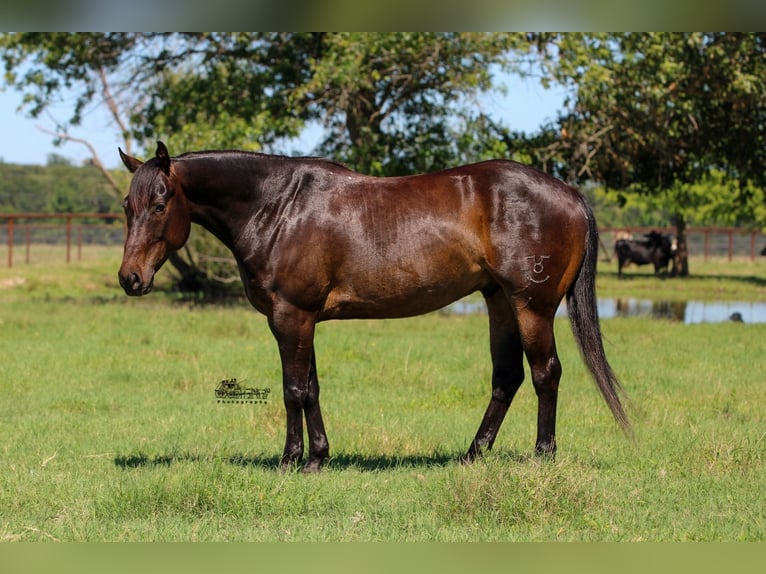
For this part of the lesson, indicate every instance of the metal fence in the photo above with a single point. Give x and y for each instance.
(20, 232)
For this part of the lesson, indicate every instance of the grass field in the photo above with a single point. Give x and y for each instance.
(111, 431)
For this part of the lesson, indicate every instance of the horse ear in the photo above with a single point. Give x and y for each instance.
(164, 157)
(130, 162)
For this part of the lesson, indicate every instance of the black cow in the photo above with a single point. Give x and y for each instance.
(656, 249)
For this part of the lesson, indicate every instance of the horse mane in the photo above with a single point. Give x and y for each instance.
(214, 154)
(144, 177)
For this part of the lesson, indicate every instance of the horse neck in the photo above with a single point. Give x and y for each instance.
(223, 189)
(220, 177)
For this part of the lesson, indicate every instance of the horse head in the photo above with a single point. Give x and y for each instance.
(158, 220)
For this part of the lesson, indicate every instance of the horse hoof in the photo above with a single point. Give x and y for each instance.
(471, 456)
(289, 465)
(312, 466)
(546, 452)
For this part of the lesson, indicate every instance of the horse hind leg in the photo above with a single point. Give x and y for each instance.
(540, 348)
(507, 371)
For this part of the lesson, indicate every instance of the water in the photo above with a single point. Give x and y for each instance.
(688, 312)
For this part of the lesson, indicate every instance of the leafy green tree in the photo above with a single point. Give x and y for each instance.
(57, 159)
(394, 104)
(657, 113)
(390, 103)
(43, 65)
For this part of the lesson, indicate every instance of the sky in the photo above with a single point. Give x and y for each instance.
(525, 107)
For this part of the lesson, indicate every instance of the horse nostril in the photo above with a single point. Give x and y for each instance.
(131, 282)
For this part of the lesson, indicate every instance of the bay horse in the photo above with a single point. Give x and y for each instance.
(314, 241)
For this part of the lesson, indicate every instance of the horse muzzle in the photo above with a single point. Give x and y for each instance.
(133, 284)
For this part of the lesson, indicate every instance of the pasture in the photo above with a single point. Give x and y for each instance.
(111, 431)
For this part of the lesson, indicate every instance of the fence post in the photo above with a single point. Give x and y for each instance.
(731, 244)
(752, 245)
(68, 238)
(10, 242)
(27, 242)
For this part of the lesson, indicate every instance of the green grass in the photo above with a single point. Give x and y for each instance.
(111, 430)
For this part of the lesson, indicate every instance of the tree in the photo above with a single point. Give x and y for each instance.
(391, 103)
(396, 104)
(657, 113)
(57, 159)
(44, 65)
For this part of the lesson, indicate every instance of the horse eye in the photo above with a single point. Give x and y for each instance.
(159, 208)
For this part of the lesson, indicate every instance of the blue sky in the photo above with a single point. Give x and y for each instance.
(525, 107)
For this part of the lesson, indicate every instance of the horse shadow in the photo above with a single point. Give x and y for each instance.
(341, 461)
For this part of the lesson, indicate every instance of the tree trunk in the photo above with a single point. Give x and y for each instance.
(191, 278)
(681, 258)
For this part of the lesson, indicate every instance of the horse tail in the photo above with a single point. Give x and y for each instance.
(583, 317)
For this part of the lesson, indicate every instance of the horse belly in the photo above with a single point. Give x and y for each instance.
(404, 288)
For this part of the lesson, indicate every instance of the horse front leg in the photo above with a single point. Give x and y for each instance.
(294, 331)
(319, 447)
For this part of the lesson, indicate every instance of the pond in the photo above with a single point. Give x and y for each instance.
(688, 312)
